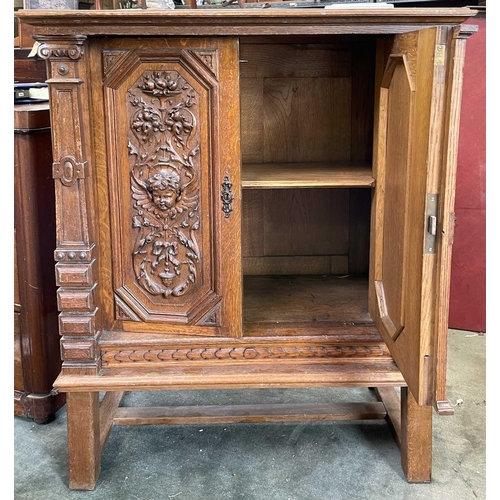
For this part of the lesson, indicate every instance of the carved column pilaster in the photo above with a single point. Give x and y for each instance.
(76, 268)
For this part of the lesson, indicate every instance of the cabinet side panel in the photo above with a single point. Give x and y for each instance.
(446, 214)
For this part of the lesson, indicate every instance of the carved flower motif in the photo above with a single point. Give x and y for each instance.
(178, 123)
(161, 83)
(147, 122)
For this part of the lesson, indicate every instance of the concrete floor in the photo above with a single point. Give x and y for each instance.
(337, 460)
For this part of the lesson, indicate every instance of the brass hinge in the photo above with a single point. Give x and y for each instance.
(440, 55)
(431, 222)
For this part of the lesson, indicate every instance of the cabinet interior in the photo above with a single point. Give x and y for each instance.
(306, 140)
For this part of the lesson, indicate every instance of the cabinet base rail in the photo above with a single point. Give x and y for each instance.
(90, 423)
(265, 413)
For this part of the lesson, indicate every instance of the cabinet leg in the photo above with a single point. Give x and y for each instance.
(416, 439)
(84, 450)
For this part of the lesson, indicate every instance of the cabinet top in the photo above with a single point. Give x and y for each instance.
(239, 22)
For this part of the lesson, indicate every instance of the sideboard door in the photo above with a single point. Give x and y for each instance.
(167, 148)
(409, 127)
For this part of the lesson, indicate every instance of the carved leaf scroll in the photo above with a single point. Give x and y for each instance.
(111, 58)
(164, 149)
(65, 47)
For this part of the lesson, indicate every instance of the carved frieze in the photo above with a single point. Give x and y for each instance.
(164, 150)
(121, 356)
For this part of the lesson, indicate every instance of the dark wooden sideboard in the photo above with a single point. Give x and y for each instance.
(253, 199)
(36, 341)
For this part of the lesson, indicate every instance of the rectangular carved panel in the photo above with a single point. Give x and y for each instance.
(76, 325)
(75, 299)
(78, 350)
(160, 126)
(71, 274)
(167, 218)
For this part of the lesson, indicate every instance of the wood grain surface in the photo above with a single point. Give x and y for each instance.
(392, 404)
(181, 415)
(317, 300)
(84, 439)
(416, 439)
(446, 212)
(410, 149)
(242, 21)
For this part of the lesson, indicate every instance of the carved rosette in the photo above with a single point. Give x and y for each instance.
(164, 153)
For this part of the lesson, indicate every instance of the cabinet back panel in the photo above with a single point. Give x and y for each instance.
(307, 102)
(306, 231)
(308, 222)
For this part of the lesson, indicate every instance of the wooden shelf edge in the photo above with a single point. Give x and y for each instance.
(262, 376)
(319, 335)
(304, 185)
(306, 175)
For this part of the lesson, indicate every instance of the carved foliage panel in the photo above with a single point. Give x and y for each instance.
(161, 170)
(164, 148)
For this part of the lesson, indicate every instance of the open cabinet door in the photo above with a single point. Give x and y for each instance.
(409, 128)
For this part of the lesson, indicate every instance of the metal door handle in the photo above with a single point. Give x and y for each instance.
(227, 196)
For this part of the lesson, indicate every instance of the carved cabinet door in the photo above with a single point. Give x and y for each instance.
(166, 135)
(412, 210)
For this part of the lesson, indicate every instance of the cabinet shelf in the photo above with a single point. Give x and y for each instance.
(307, 175)
(306, 305)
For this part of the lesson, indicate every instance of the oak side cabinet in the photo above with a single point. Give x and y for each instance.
(253, 198)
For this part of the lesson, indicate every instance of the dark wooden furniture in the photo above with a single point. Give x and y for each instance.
(253, 198)
(36, 341)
